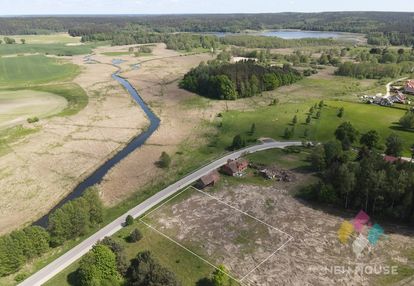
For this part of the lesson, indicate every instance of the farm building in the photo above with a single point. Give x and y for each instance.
(409, 87)
(208, 180)
(235, 167)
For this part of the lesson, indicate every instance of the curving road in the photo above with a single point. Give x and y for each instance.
(78, 251)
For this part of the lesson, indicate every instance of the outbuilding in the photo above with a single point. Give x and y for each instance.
(208, 180)
(235, 167)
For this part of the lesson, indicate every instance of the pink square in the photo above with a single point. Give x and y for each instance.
(360, 221)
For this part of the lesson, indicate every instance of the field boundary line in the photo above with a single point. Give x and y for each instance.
(243, 212)
(141, 219)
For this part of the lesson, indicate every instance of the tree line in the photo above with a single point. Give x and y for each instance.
(68, 222)
(379, 187)
(222, 80)
(373, 70)
(393, 28)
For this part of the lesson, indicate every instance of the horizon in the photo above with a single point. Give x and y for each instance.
(188, 7)
(196, 13)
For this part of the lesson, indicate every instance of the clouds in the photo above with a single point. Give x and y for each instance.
(24, 7)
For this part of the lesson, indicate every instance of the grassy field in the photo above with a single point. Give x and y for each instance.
(58, 49)
(188, 268)
(281, 157)
(272, 121)
(30, 70)
(324, 86)
(60, 44)
(63, 38)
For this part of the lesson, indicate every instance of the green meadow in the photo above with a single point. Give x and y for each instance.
(32, 70)
(272, 121)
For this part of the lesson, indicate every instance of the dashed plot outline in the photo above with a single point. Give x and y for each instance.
(141, 219)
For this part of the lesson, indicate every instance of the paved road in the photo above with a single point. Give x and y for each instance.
(78, 251)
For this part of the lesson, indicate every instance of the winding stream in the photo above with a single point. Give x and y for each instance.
(97, 176)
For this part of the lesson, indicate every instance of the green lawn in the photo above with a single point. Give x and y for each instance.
(188, 268)
(326, 87)
(30, 70)
(271, 121)
(281, 157)
(51, 49)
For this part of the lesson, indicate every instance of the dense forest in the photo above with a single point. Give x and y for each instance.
(221, 80)
(382, 28)
(369, 182)
(376, 63)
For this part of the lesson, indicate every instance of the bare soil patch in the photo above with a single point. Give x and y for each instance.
(204, 228)
(225, 234)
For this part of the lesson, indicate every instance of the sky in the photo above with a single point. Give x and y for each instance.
(46, 7)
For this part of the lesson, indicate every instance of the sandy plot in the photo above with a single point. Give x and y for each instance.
(204, 226)
(214, 229)
(46, 166)
(315, 247)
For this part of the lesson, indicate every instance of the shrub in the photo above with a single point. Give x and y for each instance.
(135, 236)
(165, 160)
(129, 220)
(32, 119)
(238, 142)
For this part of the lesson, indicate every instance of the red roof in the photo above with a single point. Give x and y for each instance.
(410, 84)
(390, 159)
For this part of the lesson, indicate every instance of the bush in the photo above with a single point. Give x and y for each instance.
(97, 267)
(145, 270)
(115, 247)
(20, 277)
(135, 236)
(238, 142)
(129, 220)
(32, 119)
(165, 160)
(407, 121)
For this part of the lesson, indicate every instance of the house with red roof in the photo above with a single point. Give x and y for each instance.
(409, 87)
(235, 167)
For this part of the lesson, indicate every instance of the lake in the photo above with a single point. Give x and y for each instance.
(293, 34)
(298, 34)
